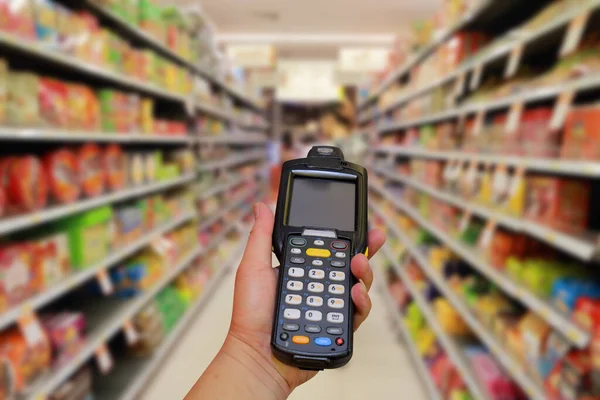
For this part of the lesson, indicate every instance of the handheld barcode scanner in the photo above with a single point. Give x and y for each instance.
(320, 224)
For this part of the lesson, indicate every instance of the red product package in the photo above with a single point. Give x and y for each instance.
(16, 275)
(53, 99)
(559, 203)
(115, 165)
(536, 136)
(91, 171)
(26, 184)
(582, 134)
(63, 177)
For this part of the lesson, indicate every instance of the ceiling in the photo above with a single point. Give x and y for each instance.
(334, 22)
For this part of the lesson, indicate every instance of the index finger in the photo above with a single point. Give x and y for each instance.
(376, 241)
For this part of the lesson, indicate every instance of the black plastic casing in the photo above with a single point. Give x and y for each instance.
(328, 163)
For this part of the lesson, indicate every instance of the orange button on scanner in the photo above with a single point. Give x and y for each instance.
(301, 339)
(318, 253)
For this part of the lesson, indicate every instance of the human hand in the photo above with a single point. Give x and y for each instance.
(254, 305)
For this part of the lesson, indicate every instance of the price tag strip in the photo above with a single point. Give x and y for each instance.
(574, 33)
(131, 334)
(104, 359)
(476, 77)
(488, 235)
(105, 283)
(30, 327)
(514, 117)
(561, 109)
(479, 121)
(514, 61)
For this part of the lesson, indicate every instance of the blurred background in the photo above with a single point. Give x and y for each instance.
(135, 136)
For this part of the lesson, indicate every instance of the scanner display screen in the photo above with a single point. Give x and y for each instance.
(323, 203)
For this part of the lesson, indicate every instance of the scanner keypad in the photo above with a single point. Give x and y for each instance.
(315, 294)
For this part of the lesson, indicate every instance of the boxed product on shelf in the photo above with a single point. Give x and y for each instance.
(90, 236)
(79, 386)
(22, 108)
(25, 184)
(559, 203)
(17, 18)
(16, 274)
(148, 323)
(26, 361)
(62, 171)
(137, 274)
(582, 134)
(91, 170)
(66, 332)
(115, 167)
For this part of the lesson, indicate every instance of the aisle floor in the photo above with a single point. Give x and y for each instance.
(380, 369)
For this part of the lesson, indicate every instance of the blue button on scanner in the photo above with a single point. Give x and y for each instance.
(323, 341)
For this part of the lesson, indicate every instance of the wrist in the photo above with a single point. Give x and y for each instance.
(262, 370)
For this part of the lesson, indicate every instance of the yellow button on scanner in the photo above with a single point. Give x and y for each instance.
(301, 339)
(318, 253)
(367, 252)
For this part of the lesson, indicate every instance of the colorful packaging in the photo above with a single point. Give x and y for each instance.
(91, 170)
(26, 184)
(17, 18)
(90, 236)
(22, 107)
(582, 134)
(51, 261)
(65, 331)
(46, 23)
(54, 103)
(559, 203)
(84, 110)
(26, 361)
(16, 275)
(62, 170)
(115, 165)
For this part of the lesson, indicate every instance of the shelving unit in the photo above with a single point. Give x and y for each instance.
(451, 346)
(421, 123)
(416, 358)
(516, 370)
(244, 137)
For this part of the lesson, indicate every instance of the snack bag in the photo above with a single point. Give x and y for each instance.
(26, 183)
(91, 171)
(18, 18)
(3, 88)
(63, 178)
(23, 107)
(53, 103)
(115, 165)
(46, 23)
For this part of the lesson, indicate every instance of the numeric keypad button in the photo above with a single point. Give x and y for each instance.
(296, 286)
(335, 303)
(313, 315)
(337, 289)
(316, 274)
(335, 318)
(314, 301)
(296, 251)
(296, 272)
(337, 276)
(297, 260)
(315, 287)
(293, 299)
(291, 313)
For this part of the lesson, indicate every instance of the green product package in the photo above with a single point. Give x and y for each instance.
(107, 106)
(89, 236)
(167, 172)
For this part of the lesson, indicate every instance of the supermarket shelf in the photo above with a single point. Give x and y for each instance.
(591, 82)
(559, 321)
(134, 374)
(585, 247)
(77, 278)
(450, 345)
(552, 166)
(216, 112)
(231, 161)
(236, 138)
(487, 55)
(105, 322)
(516, 370)
(73, 64)
(417, 360)
(141, 36)
(205, 224)
(52, 135)
(107, 317)
(441, 39)
(12, 224)
(214, 190)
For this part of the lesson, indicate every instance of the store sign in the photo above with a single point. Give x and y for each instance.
(307, 81)
(363, 59)
(251, 56)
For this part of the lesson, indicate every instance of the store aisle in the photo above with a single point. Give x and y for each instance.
(380, 369)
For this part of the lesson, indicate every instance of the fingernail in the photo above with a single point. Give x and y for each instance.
(364, 286)
(256, 211)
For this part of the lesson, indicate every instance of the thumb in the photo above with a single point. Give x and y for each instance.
(258, 250)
